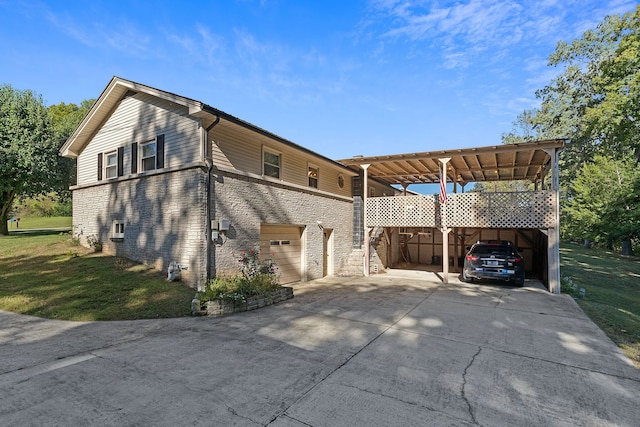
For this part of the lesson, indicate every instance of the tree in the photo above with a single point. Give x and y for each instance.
(594, 101)
(65, 118)
(523, 131)
(605, 205)
(28, 152)
(615, 118)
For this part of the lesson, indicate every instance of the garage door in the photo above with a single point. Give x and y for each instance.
(282, 243)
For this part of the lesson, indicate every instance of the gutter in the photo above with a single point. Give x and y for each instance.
(209, 162)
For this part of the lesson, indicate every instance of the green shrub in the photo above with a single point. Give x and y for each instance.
(47, 205)
(95, 243)
(255, 278)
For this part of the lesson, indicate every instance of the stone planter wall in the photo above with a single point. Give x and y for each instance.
(218, 308)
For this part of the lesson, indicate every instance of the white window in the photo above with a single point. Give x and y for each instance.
(148, 156)
(313, 177)
(271, 164)
(117, 229)
(111, 165)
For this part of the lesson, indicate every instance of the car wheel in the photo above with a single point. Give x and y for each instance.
(520, 282)
(466, 278)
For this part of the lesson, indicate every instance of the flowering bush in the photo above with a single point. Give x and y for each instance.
(256, 278)
(251, 266)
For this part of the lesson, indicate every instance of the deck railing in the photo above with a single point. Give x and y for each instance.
(481, 210)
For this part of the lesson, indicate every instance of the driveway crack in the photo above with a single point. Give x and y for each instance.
(406, 402)
(464, 385)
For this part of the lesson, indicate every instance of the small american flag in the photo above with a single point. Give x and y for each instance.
(443, 188)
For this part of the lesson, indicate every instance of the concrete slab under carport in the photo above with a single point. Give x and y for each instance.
(391, 349)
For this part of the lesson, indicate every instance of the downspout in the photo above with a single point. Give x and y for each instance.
(209, 162)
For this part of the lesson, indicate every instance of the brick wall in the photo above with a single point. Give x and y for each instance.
(248, 202)
(164, 216)
(165, 220)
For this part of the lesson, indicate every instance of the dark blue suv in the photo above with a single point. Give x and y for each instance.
(494, 259)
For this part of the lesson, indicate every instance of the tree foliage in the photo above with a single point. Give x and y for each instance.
(610, 210)
(65, 118)
(28, 152)
(594, 102)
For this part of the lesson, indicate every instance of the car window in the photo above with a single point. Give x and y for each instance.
(489, 249)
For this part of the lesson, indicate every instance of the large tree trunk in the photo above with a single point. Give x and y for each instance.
(4, 230)
(626, 247)
(6, 200)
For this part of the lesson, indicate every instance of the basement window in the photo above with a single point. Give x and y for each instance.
(117, 230)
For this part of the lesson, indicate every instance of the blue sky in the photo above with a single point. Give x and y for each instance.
(342, 78)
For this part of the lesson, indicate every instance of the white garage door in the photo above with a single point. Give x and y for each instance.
(282, 243)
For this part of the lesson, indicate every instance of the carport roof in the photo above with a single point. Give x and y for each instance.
(506, 162)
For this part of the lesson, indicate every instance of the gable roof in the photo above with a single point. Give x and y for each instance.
(118, 88)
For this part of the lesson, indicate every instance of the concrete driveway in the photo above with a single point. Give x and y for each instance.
(394, 349)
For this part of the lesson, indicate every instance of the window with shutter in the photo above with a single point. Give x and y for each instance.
(111, 165)
(151, 154)
(147, 156)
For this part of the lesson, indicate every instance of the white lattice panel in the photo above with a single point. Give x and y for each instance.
(481, 210)
(402, 211)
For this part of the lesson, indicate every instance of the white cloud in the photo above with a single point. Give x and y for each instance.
(124, 36)
(473, 27)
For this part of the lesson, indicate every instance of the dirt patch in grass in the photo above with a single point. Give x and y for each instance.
(50, 275)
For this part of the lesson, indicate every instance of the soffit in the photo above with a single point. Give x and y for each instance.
(507, 162)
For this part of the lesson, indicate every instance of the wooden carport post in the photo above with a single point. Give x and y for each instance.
(365, 230)
(443, 226)
(553, 233)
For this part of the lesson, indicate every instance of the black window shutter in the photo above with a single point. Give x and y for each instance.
(120, 161)
(134, 157)
(160, 151)
(99, 166)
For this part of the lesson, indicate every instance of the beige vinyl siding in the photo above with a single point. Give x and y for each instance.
(236, 148)
(141, 118)
(381, 189)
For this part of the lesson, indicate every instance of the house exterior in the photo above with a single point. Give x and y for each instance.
(177, 184)
(163, 179)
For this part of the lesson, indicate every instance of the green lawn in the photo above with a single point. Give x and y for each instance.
(612, 299)
(40, 222)
(49, 275)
